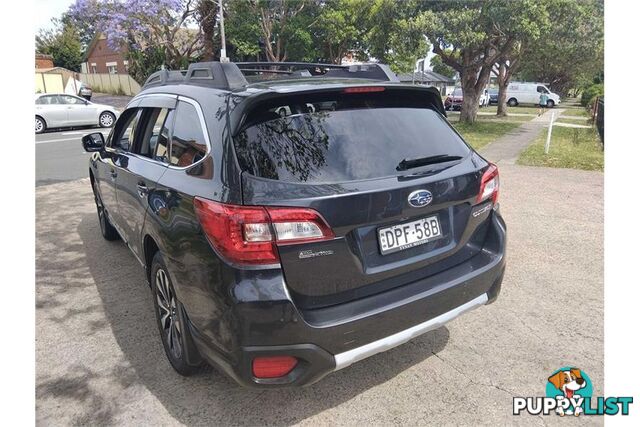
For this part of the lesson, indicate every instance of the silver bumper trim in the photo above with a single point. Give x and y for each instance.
(352, 356)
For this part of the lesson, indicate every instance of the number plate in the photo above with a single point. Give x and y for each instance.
(408, 235)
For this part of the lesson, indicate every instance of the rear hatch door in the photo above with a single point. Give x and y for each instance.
(388, 174)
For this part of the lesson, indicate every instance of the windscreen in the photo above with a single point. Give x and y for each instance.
(346, 138)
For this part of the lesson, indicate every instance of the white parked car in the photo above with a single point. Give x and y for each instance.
(529, 93)
(56, 110)
(484, 98)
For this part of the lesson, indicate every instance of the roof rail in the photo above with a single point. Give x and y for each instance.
(237, 75)
(300, 69)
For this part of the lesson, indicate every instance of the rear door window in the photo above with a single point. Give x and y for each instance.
(155, 133)
(48, 100)
(345, 139)
(187, 141)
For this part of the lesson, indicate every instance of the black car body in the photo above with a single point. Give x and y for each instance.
(493, 96)
(291, 227)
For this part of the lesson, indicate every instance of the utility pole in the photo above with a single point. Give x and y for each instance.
(223, 48)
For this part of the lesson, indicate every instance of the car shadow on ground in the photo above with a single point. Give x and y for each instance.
(212, 396)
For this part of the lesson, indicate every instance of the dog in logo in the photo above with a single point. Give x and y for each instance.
(568, 382)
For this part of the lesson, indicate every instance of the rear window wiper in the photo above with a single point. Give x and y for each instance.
(415, 162)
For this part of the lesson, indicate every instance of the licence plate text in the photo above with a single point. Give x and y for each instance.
(408, 235)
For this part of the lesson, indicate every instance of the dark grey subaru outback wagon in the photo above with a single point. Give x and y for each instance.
(296, 218)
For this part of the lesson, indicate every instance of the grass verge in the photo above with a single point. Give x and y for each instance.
(482, 132)
(571, 148)
(518, 109)
(575, 112)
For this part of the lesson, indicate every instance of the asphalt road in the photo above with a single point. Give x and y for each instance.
(60, 157)
(99, 358)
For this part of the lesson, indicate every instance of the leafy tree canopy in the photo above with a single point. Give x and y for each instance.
(571, 52)
(63, 43)
(441, 68)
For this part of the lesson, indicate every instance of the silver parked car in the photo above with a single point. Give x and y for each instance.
(86, 92)
(62, 110)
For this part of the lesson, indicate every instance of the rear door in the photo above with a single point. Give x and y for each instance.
(142, 166)
(395, 218)
(50, 107)
(78, 111)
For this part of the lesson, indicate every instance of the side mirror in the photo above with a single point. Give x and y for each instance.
(93, 142)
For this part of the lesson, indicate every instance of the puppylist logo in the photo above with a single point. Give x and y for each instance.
(569, 392)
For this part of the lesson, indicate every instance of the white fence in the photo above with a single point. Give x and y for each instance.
(115, 84)
(49, 83)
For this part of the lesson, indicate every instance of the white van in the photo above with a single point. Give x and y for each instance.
(529, 93)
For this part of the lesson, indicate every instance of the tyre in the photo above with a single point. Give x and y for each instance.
(106, 119)
(107, 230)
(41, 125)
(171, 319)
(512, 102)
(550, 103)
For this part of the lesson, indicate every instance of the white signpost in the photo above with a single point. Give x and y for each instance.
(548, 143)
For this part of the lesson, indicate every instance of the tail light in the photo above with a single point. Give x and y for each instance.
(273, 366)
(249, 235)
(489, 185)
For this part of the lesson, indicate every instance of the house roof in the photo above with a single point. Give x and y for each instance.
(425, 76)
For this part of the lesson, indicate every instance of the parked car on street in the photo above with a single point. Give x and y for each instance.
(493, 96)
(62, 110)
(86, 92)
(529, 93)
(454, 100)
(289, 228)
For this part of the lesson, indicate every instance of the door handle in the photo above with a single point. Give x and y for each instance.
(143, 190)
(113, 174)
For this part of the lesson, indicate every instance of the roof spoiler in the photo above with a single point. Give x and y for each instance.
(230, 75)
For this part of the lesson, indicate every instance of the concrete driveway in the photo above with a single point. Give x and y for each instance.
(100, 361)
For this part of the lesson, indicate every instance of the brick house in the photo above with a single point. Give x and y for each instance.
(101, 59)
(43, 61)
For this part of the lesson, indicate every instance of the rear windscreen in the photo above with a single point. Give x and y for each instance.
(347, 138)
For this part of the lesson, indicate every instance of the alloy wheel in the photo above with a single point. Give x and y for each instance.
(169, 317)
(39, 125)
(106, 120)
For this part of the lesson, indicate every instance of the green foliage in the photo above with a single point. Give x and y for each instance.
(571, 52)
(63, 44)
(392, 35)
(310, 30)
(142, 63)
(470, 36)
(280, 29)
(590, 93)
(339, 28)
(441, 68)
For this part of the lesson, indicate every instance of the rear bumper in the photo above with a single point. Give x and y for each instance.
(330, 339)
(359, 353)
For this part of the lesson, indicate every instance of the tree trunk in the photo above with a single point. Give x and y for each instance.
(502, 99)
(470, 95)
(206, 16)
(470, 102)
(503, 82)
